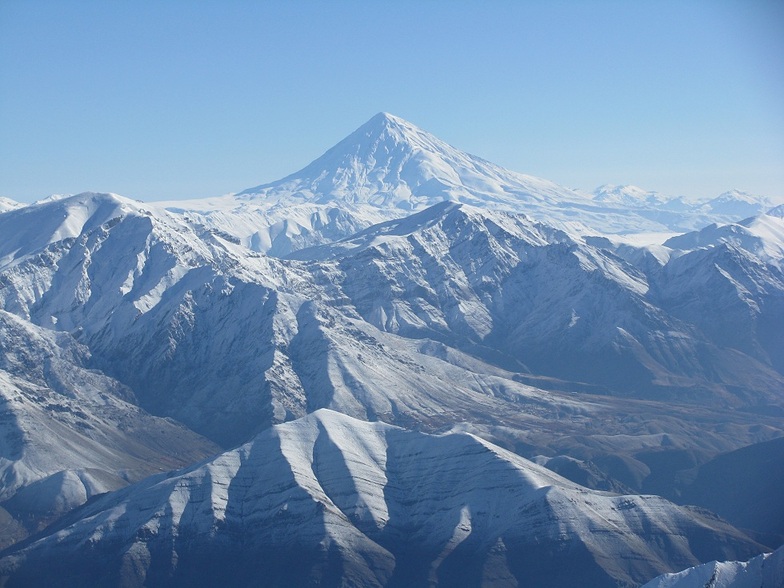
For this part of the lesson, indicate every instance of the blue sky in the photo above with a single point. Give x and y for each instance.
(176, 99)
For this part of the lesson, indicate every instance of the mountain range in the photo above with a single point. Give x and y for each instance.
(491, 331)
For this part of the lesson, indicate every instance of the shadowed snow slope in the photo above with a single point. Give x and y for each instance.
(68, 433)
(335, 501)
(745, 488)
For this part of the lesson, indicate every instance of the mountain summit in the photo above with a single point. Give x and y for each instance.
(391, 167)
(391, 163)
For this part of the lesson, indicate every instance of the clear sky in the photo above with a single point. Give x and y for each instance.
(173, 99)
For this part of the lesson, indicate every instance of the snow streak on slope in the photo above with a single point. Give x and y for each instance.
(329, 499)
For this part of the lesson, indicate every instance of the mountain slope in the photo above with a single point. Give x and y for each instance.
(484, 280)
(330, 500)
(68, 433)
(729, 281)
(229, 342)
(744, 487)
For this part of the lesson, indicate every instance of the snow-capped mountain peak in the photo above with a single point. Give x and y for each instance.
(391, 163)
(627, 195)
(30, 228)
(388, 125)
(738, 204)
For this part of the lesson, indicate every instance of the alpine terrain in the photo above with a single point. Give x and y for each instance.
(402, 365)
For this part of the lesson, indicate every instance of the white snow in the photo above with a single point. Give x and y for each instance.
(763, 571)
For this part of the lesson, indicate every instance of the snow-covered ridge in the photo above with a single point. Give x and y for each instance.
(467, 315)
(8, 204)
(761, 235)
(763, 571)
(391, 506)
(30, 228)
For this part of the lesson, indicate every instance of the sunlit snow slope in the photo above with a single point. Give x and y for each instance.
(763, 571)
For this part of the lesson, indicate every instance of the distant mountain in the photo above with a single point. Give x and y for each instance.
(389, 168)
(8, 204)
(630, 196)
(390, 163)
(728, 206)
(738, 204)
(763, 571)
(335, 501)
(761, 235)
